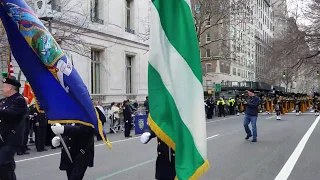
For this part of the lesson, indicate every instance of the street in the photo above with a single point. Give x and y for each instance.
(231, 157)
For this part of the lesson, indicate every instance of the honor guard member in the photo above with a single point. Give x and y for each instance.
(165, 164)
(24, 147)
(40, 128)
(79, 140)
(12, 111)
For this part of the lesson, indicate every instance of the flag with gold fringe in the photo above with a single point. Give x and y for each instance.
(55, 82)
(177, 114)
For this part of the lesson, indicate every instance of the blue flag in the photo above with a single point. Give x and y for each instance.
(55, 82)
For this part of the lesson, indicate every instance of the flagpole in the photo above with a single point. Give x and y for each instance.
(9, 60)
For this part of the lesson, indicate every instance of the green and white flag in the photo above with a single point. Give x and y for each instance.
(177, 114)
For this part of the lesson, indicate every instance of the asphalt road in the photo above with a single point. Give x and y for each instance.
(286, 149)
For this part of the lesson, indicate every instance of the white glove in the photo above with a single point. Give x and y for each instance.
(145, 137)
(57, 129)
(55, 141)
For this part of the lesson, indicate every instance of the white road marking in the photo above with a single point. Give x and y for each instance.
(48, 155)
(221, 119)
(101, 144)
(288, 167)
(270, 117)
(212, 136)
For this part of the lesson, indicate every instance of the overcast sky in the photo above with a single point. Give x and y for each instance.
(295, 8)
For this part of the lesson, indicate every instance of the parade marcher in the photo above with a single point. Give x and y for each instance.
(316, 104)
(297, 104)
(221, 104)
(165, 164)
(27, 117)
(210, 108)
(79, 140)
(127, 114)
(244, 103)
(12, 112)
(251, 115)
(237, 105)
(277, 105)
(40, 124)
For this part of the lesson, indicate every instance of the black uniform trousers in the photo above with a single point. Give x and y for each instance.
(7, 163)
(221, 111)
(127, 127)
(76, 173)
(41, 133)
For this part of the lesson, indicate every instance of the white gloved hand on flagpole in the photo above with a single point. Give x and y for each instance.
(145, 137)
(55, 141)
(57, 129)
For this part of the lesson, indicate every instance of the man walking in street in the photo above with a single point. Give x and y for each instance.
(251, 115)
(12, 112)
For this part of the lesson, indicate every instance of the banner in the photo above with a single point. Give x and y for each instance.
(55, 82)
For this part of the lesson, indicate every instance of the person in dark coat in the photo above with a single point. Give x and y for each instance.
(127, 116)
(210, 108)
(146, 105)
(80, 141)
(40, 124)
(12, 112)
(165, 164)
(24, 148)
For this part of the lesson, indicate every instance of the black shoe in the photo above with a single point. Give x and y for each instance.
(26, 152)
(19, 153)
(31, 141)
(248, 136)
(254, 140)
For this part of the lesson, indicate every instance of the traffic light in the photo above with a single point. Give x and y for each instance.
(284, 74)
(318, 74)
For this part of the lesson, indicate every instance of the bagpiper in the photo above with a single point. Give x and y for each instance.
(278, 105)
(316, 104)
(297, 104)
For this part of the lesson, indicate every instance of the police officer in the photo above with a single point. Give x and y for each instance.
(165, 164)
(12, 111)
(79, 140)
(127, 115)
(221, 103)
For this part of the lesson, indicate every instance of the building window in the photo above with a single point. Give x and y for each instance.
(209, 83)
(95, 71)
(129, 77)
(208, 37)
(208, 67)
(208, 53)
(95, 11)
(208, 21)
(56, 5)
(129, 9)
(234, 71)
